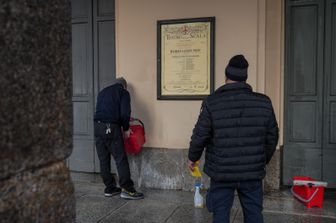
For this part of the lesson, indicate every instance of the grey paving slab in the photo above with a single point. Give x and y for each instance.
(86, 177)
(189, 214)
(142, 211)
(293, 206)
(172, 196)
(89, 188)
(329, 207)
(91, 208)
(178, 196)
(169, 206)
(286, 218)
(77, 195)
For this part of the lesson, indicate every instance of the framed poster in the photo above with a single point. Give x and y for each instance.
(185, 58)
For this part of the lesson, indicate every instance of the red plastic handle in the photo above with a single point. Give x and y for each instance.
(139, 121)
(302, 199)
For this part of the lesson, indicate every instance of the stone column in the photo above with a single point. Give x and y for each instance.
(35, 111)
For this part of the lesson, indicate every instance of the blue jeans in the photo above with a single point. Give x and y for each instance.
(220, 198)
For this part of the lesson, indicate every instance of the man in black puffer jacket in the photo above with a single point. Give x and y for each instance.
(239, 130)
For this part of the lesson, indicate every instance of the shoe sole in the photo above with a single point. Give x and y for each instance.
(112, 194)
(127, 197)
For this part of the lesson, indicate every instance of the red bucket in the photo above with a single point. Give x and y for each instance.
(136, 140)
(308, 191)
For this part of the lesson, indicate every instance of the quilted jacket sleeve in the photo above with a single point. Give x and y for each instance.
(202, 134)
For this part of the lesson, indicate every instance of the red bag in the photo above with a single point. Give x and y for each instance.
(136, 139)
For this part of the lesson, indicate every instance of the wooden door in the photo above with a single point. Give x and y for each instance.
(310, 90)
(93, 68)
(329, 131)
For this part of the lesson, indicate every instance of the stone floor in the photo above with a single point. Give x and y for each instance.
(169, 206)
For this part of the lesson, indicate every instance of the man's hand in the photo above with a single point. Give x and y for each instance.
(128, 133)
(191, 165)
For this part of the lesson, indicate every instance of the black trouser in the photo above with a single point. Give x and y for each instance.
(220, 198)
(112, 143)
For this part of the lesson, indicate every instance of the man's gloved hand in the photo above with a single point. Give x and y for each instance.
(191, 165)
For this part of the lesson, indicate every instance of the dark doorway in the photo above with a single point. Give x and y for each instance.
(310, 90)
(93, 68)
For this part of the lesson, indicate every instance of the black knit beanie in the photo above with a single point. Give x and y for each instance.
(236, 70)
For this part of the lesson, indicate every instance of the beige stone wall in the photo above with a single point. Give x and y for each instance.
(274, 58)
(241, 28)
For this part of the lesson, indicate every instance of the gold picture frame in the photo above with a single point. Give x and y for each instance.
(185, 58)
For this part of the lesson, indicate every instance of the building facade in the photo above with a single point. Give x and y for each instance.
(289, 44)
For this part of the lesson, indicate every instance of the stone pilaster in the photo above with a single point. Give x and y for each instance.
(35, 111)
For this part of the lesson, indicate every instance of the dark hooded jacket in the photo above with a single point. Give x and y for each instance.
(114, 106)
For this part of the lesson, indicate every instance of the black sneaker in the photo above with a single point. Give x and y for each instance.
(131, 194)
(109, 192)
